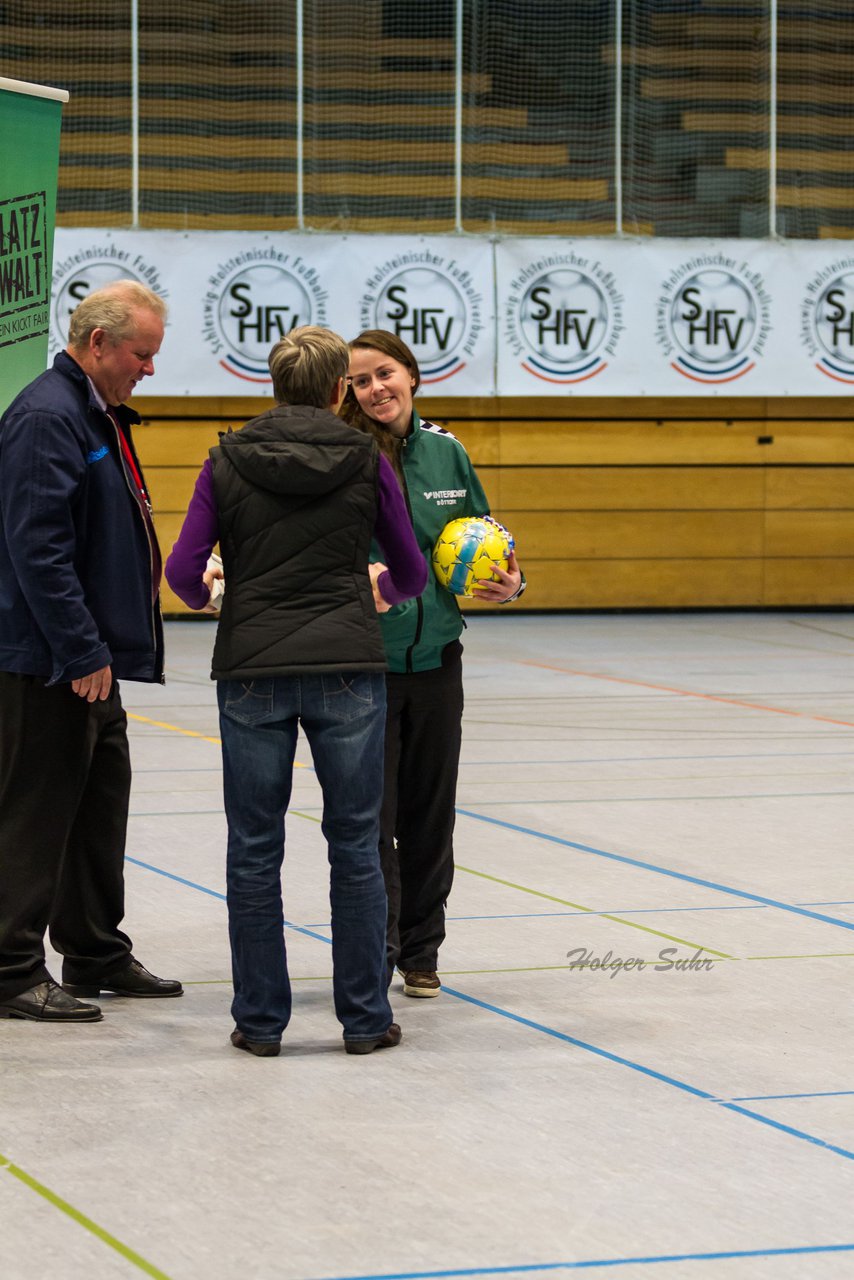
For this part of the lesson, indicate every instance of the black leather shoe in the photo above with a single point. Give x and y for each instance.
(387, 1040)
(134, 980)
(261, 1048)
(47, 1002)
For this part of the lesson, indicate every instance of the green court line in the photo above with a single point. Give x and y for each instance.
(81, 1219)
(603, 915)
(807, 955)
(226, 982)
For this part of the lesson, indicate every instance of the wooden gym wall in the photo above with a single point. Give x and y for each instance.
(616, 503)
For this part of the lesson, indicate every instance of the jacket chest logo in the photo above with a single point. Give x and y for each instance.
(445, 497)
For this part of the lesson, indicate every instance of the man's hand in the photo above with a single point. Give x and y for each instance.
(95, 687)
(375, 570)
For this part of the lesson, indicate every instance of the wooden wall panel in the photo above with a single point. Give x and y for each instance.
(623, 488)
(810, 488)
(810, 533)
(631, 535)
(652, 503)
(176, 444)
(638, 584)
(809, 582)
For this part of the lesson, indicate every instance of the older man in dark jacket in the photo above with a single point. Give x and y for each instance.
(79, 610)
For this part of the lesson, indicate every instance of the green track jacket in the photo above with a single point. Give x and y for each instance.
(440, 485)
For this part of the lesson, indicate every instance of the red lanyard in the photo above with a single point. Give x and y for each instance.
(130, 461)
(128, 456)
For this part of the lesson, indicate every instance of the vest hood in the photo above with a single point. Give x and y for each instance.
(293, 450)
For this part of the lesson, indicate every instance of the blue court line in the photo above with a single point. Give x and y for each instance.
(678, 799)
(649, 1071)
(557, 1035)
(661, 871)
(631, 911)
(781, 1097)
(517, 802)
(721, 1255)
(212, 893)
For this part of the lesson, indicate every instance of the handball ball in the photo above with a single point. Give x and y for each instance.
(466, 550)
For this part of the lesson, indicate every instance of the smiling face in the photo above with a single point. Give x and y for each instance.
(383, 388)
(117, 367)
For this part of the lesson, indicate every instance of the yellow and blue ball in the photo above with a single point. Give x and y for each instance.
(466, 550)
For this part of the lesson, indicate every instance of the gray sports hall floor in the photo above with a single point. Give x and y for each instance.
(632, 788)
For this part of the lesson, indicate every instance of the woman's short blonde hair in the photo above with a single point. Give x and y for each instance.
(306, 364)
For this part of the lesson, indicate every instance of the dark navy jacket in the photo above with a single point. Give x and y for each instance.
(75, 556)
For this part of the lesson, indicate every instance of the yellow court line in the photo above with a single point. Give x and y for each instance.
(603, 915)
(807, 955)
(160, 724)
(80, 1218)
(190, 733)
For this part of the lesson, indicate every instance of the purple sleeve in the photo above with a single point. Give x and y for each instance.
(198, 536)
(407, 568)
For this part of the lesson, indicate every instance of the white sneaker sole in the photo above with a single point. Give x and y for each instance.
(424, 993)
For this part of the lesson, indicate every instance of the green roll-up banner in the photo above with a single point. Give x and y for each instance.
(30, 117)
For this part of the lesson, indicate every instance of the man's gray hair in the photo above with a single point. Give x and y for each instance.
(112, 309)
(306, 364)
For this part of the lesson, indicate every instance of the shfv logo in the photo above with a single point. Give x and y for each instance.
(251, 304)
(827, 321)
(564, 321)
(435, 309)
(713, 321)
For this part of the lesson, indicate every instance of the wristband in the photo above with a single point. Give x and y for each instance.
(518, 592)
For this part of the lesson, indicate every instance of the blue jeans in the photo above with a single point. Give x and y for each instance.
(342, 715)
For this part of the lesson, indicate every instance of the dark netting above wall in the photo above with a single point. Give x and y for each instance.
(696, 85)
(815, 122)
(538, 138)
(212, 140)
(379, 113)
(84, 47)
(485, 116)
(218, 90)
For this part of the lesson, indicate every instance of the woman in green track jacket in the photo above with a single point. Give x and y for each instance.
(422, 640)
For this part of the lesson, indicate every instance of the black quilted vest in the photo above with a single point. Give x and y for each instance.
(296, 490)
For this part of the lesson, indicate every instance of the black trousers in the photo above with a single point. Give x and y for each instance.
(64, 792)
(422, 753)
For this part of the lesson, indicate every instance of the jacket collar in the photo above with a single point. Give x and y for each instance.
(66, 365)
(411, 441)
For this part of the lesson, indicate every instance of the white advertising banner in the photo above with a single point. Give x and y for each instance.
(232, 295)
(512, 317)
